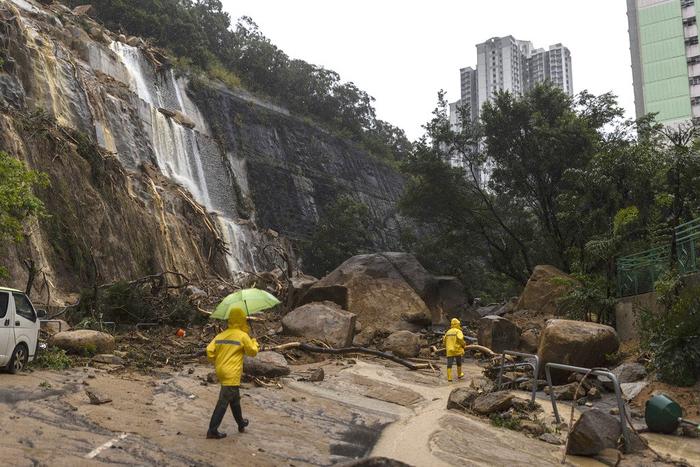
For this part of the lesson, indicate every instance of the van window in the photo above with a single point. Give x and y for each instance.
(4, 300)
(23, 307)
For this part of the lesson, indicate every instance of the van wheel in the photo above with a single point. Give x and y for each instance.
(19, 359)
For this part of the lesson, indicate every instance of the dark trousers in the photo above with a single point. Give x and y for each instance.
(451, 360)
(229, 396)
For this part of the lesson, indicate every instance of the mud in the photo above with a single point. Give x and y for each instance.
(361, 409)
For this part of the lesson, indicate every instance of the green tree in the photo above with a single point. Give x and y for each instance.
(201, 36)
(17, 200)
(342, 232)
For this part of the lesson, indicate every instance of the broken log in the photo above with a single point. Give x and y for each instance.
(346, 350)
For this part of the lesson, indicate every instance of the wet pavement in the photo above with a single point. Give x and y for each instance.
(361, 408)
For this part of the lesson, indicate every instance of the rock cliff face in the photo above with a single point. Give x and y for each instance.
(150, 171)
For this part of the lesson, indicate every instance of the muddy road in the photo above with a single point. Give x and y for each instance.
(361, 408)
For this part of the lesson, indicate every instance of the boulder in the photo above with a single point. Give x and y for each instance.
(298, 286)
(545, 287)
(83, 341)
(403, 344)
(498, 333)
(566, 392)
(268, 364)
(54, 326)
(632, 390)
(364, 338)
(323, 321)
(630, 372)
(317, 375)
(462, 398)
(534, 428)
(576, 343)
(451, 297)
(594, 431)
(494, 402)
(379, 288)
(530, 341)
(108, 359)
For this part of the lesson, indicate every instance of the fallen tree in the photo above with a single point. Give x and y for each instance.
(349, 350)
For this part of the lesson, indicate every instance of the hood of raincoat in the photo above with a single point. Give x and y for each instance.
(455, 323)
(237, 319)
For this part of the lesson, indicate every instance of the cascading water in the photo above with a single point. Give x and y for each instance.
(178, 153)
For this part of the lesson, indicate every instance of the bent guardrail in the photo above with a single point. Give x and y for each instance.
(535, 368)
(595, 372)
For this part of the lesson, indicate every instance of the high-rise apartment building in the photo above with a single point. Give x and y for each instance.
(508, 64)
(665, 59)
(469, 81)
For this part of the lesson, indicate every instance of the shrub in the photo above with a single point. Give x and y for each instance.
(229, 78)
(52, 358)
(672, 336)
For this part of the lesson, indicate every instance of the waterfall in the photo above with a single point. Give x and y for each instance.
(178, 153)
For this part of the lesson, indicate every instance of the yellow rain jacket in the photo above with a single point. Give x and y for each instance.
(227, 349)
(454, 339)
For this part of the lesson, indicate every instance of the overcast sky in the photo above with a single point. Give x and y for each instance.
(403, 52)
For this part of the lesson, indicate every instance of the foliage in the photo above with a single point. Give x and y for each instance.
(17, 200)
(342, 231)
(125, 302)
(510, 423)
(672, 335)
(588, 300)
(52, 358)
(572, 184)
(202, 36)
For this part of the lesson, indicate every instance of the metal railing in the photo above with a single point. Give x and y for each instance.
(594, 372)
(637, 273)
(535, 368)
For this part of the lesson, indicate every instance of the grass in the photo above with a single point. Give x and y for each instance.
(502, 422)
(52, 358)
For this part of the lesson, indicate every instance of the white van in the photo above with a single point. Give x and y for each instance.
(19, 330)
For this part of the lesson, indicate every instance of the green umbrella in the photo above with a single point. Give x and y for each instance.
(251, 300)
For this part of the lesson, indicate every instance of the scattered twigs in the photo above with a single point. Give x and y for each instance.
(350, 350)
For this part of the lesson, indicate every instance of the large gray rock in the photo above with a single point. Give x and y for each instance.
(498, 333)
(576, 343)
(494, 402)
(629, 372)
(403, 344)
(382, 289)
(546, 286)
(530, 341)
(299, 285)
(323, 321)
(594, 431)
(83, 341)
(462, 398)
(268, 364)
(566, 392)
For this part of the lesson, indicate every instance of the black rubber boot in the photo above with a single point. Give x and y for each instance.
(242, 425)
(215, 435)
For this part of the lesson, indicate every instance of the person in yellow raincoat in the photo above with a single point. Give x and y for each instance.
(226, 353)
(454, 348)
